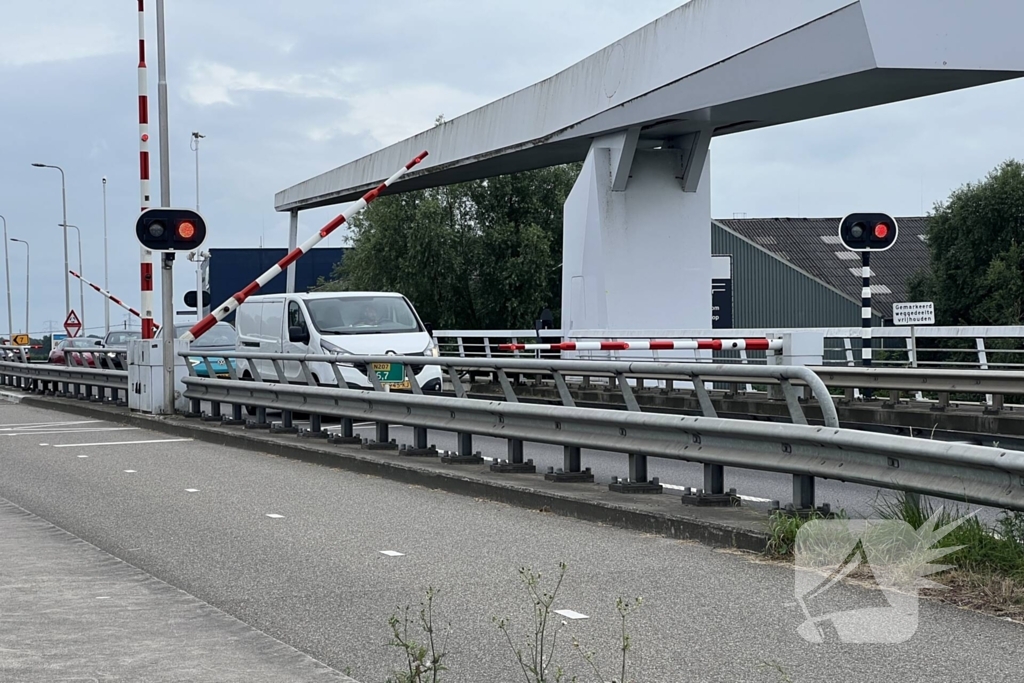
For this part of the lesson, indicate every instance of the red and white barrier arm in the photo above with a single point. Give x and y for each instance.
(225, 309)
(112, 298)
(655, 345)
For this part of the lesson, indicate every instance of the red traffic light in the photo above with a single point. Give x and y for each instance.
(166, 229)
(881, 231)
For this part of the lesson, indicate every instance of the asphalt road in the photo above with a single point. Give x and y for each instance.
(197, 516)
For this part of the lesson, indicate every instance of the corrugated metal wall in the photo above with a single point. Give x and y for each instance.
(768, 292)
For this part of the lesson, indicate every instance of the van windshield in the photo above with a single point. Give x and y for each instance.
(362, 315)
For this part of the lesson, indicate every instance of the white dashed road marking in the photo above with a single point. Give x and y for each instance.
(570, 614)
(273, 516)
(83, 456)
(191, 490)
(130, 471)
(392, 553)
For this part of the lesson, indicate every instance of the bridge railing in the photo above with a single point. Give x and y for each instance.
(980, 347)
(962, 472)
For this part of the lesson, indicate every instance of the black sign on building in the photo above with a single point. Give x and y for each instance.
(721, 292)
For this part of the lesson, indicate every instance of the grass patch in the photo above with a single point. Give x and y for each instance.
(986, 571)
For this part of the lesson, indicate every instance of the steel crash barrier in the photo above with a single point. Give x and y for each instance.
(966, 473)
(98, 376)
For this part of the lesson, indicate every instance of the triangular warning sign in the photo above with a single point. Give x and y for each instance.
(72, 325)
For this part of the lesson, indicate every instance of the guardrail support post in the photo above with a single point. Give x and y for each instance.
(803, 493)
(515, 463)
(261, 420)
(215, 413)
(383, 441)
(637, 482)
(571, 468)
(346, 434)
(287, 425)
(943, 402)
(236, 416)
(465, 454)
(419, 448)
(316, 429)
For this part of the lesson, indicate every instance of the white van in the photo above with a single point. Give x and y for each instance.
(358, 323)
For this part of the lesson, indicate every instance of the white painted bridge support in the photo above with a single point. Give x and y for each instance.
(637, 236)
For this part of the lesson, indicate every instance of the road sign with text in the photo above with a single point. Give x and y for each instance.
(916, 313)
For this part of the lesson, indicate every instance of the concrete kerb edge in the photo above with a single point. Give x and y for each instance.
(707, 532)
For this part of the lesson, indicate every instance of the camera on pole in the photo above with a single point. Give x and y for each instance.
(170, 230)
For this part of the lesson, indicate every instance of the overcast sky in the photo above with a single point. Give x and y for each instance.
(284, 91)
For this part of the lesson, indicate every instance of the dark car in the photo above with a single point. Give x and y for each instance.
(115, 345)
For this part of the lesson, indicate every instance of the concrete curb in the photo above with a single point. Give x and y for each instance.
(664, 515)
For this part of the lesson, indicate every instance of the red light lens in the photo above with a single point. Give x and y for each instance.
(881, 231)
(186, 230)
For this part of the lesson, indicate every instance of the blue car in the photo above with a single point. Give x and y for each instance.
(220, 337)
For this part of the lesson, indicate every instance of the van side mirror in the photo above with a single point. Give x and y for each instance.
(430, 329)
(297, 335)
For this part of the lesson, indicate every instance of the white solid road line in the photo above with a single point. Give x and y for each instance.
(73, 431)
(43, 425)
(115, 443)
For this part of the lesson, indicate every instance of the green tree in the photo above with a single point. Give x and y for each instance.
(484, 254)
(976, 239)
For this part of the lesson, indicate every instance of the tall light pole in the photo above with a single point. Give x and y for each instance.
(194, 145)
(106, 264)
(197, 256)
(64, 201)
(81, 289)
(7, 268)
(28, 262)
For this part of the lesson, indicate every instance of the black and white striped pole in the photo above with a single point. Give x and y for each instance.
(865, 310)
(867, 232)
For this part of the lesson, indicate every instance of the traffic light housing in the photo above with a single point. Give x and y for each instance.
(868, 231)
(170, 230)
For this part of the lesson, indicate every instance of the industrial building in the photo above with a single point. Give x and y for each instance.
(794, 272)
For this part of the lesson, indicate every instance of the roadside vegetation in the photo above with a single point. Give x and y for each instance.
(986, 563)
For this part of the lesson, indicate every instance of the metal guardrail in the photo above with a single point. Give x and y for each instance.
(966, 473)
(101, 384)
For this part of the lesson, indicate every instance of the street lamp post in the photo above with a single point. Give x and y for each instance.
(28, 263)
(81, 287)
(106, 265)
(194, 144)
(64, 201)
(7, 268)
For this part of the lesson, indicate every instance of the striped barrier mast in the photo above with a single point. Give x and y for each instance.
(225, 309)
(654, 345)
(111, 297)
(149, 327)
(866, 343)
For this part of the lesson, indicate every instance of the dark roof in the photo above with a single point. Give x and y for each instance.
(812, 245)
